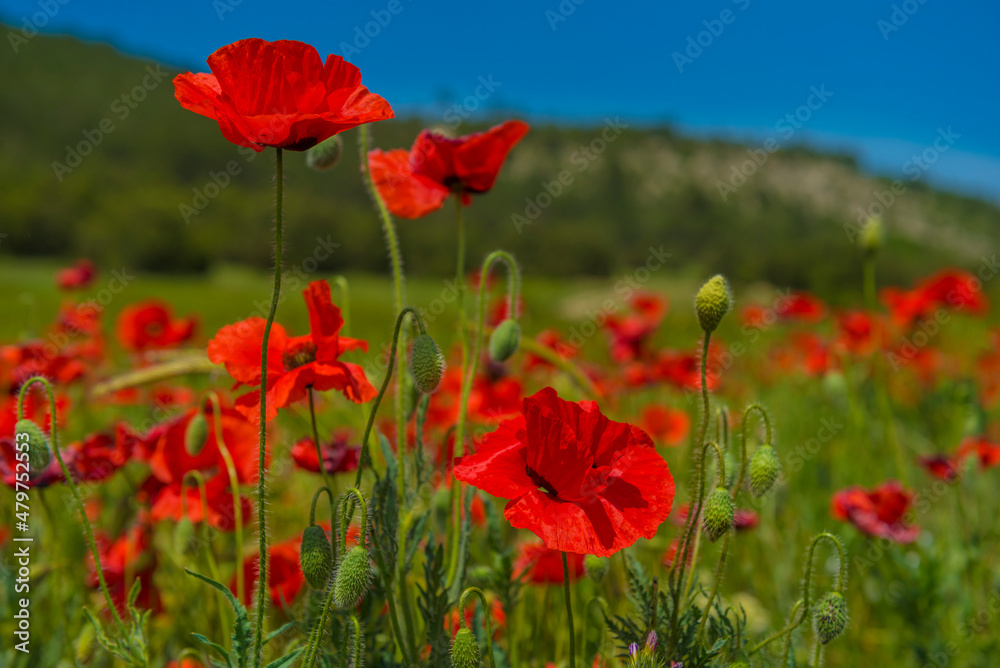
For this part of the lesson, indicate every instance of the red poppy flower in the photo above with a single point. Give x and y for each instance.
(950, 288)
(169, 460)
(878, 512)
(279, 94)
(800, 306)
(581, 482)
(683, 369)
(129, 555)
(78, 276)
(551, 339)
(667, 425)
(149, 325)
(98, 456)
(541, 565)
(284, 574)
(940, 466)
(339, 456)
(413, 183)
(987, 452)
(294, 364)
(19, 362)
(857, 332)
(629, 333)
(744, 519)
(491, 400)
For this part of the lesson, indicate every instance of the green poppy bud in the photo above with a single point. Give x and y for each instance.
(426, 364)
(830, 616)
(316, 557)
(764, 470)
(196, 434)
(718, 515)
(39, 450)
(712, 302)
(504, 341)
(354, 576)
(326, 154)
(871, 235)
(465, 650)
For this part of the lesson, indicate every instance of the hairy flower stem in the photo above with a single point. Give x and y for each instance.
(513, 293)
(743, 432)
(720, 569)
(68, 475)
(882, 375)
(262, 597)
(213, 567)
(569, 613)
(677, 569)
(486, 616)
(456, 485)
(319, 450)
(398, 280)
(234, 488)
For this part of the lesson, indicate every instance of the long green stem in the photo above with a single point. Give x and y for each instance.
(234, 490)
(262, 598)
(720, 569)
(486, 616)
(213, 567)
(569, 612)
(468, 378)
(68, 475)
(774, 636)
(315, 430)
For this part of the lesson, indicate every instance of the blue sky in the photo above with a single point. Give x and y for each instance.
(897, 72)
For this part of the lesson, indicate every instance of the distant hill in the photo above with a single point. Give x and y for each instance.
(96, 159)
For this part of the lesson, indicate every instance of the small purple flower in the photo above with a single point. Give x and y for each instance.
(651, 641)
(633, 650)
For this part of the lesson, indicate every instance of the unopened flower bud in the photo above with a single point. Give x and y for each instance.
(426, 364)
(718, 515)
(830, 616)
(505, 339)
(196, 434)
(871, 235)
(764, 469)
(326, 154)
(39, 451)
(465, 650)
(712, 302)
(354, 576)
(316, 557)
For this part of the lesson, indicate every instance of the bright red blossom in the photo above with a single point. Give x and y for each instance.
(339, 456)
(294, 364)
(279, 94)
(879, 512)
(581, 482)
(150, 325)
(413, 183)
(77, 276)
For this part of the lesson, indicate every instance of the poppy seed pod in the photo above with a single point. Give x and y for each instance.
(465, 650)
(764, 469)
(712, 302)
(196, 434)
(830, 616)
(39, 451)
(719, 513)
(326, 154)
(426, 364)
(354, 576)
(316, 557)
(871, 235)
(505, 340)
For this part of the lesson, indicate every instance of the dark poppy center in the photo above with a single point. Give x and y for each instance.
(303, 353)
(540, 482)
